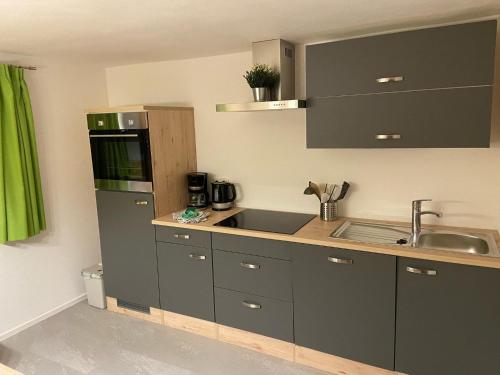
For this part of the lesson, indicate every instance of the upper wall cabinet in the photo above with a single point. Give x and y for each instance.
(383, 69)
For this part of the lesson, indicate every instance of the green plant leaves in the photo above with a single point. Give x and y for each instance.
(262, 75)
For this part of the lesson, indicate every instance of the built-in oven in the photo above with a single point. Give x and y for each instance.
(121, 155)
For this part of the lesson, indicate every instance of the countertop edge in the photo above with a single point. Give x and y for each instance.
(324, 229)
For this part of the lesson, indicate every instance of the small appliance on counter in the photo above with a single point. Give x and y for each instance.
(197, 189)
(223, 195)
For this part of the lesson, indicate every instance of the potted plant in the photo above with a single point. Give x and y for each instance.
(262, 78)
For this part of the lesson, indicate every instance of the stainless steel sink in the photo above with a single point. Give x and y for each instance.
(481, 244)
(455, 242)
(373, 233)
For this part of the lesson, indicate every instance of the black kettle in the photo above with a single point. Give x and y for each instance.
(223, 195)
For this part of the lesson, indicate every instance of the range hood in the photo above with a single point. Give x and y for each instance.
(280, 55)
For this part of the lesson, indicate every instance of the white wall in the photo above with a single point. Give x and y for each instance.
(43, 273)
(266, 153)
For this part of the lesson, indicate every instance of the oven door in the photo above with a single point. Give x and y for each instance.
(121, 160)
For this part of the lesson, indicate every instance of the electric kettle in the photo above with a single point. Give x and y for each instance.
(223, 195)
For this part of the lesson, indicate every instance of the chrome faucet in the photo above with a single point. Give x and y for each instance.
(416, 223)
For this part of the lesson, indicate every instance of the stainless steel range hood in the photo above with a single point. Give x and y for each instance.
(280, 55)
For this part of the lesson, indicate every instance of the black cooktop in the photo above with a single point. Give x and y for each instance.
(267, 221)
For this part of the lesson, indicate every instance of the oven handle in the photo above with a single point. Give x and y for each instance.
(114, 135)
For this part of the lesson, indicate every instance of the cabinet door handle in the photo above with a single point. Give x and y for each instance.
(387, 136)
(390, 79)
(250, 265)
(182, 236)
(340, 260)
(197, 257)
(251, 305)
(141, 203)
(421, 271)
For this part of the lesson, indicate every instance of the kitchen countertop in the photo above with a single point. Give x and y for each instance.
(317, 232)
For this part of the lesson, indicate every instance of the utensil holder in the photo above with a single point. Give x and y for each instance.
(328, 211)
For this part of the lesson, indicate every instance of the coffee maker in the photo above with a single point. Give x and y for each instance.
(197, 189)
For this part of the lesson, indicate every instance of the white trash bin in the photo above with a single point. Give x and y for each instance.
(94, 285)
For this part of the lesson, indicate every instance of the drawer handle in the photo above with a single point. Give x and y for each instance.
(250, 266)
(182, 236)
(141, 203)
(197, 257)
(421, 271)
(251, 305)
(390, 79)
(340, 260)
(387, 136)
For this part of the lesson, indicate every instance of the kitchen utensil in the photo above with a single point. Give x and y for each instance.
(316, 189)
(312, 189)
(343, 191)
(309, 190)
(331, 192)
(324, 197)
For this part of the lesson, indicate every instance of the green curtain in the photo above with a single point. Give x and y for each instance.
(22, 213)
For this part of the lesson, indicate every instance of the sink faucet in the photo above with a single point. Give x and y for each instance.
(416, 223)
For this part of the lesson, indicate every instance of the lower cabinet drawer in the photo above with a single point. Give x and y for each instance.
(183, 236)
(251, 245)
(248, 312)
(253, 274)
(185, 278)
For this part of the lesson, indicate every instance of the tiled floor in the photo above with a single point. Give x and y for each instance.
(84, 340)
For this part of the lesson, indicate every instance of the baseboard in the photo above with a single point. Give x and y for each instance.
(48, 314)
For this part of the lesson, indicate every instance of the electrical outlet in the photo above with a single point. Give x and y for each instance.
(221, 179)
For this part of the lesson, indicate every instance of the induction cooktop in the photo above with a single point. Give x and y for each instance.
(267, 221)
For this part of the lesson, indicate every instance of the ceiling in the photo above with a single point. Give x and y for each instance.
(117, 32)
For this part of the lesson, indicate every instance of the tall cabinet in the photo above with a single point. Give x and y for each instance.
(128, 242)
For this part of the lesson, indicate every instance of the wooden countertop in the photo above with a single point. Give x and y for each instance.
(317, 232)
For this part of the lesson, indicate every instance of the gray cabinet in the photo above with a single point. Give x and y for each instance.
(252, 274)
(251, 245)
(436, 118)
(128, 246)
(265, 316)
(344, 303)
(183, 236)
(253, 286)
(449, 56)
(448, 320)
(423, 88)
(186, 285)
